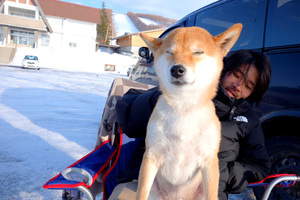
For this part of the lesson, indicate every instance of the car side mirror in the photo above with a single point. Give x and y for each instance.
(144, 52)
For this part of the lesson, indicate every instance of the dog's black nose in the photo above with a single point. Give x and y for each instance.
(177, 71)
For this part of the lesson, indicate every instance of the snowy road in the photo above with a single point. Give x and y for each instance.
(48, 120)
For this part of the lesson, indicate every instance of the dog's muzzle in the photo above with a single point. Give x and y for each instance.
(177, 71)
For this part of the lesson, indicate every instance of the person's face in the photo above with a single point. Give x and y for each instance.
(236, 85)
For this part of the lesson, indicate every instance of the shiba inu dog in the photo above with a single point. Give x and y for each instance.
(183, 133)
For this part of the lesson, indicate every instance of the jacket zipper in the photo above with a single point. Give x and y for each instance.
(232, 111)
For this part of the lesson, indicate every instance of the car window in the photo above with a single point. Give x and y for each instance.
(283, 23)
(250, 13)
(285, 69)
(284, 89)
(144, 72)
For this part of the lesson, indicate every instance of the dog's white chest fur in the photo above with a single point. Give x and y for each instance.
(182, 139)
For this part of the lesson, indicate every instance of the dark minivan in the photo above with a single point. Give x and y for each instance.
(271, 27)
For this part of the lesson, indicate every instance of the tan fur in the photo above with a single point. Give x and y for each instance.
(183, 133)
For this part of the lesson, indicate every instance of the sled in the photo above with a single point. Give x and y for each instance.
(276, 180)
(102, 169)
(109, 160)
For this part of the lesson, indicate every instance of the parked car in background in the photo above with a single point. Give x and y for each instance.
(31, 62)
(271, 27)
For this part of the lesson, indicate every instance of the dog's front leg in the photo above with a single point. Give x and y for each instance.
(211, 179)
(147, 175)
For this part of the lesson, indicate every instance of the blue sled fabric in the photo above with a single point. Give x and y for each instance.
(118, 163)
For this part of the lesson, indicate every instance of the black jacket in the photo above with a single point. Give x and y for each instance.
(242, 145)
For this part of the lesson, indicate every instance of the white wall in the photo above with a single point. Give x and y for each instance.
(66, 31)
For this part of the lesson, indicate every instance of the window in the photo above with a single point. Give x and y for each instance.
(45, 40)
(22, 12)
(22, 37)
(31, 58)
(283, 23)
(285, 69)
(72, 44)
(250, 13)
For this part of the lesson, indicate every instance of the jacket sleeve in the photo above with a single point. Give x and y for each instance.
(134, 110)
(254, 153)
(252, 163)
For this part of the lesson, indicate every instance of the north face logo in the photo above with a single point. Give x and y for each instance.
(241, 119)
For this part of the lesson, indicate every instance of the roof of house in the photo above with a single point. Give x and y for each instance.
(71, 11)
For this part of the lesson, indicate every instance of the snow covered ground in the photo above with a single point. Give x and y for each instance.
(48, 120)
(75, 60)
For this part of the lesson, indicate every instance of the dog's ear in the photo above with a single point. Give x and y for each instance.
(227, 39)
(152, 43)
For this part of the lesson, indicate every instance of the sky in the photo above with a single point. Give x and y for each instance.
(174, 9)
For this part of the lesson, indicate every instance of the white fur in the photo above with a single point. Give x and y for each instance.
(178, 128)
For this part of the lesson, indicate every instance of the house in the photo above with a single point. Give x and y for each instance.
(48, 24)
(131, 42)
(74, 26)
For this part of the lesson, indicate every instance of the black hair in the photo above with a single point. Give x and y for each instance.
(262, 63)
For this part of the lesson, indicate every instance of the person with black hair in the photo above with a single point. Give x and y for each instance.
(243, 157)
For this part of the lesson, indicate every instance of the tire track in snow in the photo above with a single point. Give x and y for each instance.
(19, 121)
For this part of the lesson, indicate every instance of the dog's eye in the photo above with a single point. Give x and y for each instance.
(169, 52)
(198, 53)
